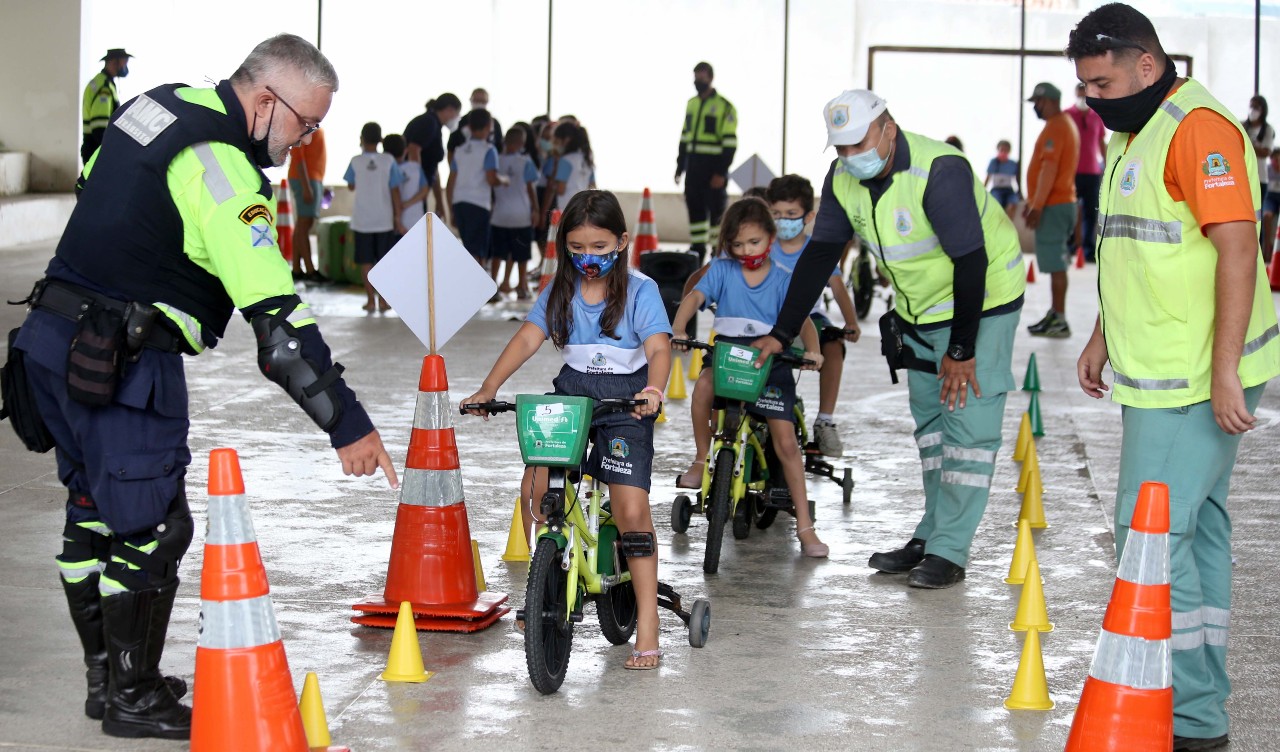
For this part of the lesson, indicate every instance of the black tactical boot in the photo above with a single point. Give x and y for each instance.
(139, 701)
(86, 613)
(901, 561)
(935, 573)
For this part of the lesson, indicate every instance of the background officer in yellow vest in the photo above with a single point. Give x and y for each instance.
(1187, 322)
(707, 146)
(952, 255)
(101, 99)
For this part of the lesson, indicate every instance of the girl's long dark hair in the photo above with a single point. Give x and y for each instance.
(1261, 102)
(597, 209)
(576, 139)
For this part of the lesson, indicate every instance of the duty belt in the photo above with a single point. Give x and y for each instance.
(72, 301)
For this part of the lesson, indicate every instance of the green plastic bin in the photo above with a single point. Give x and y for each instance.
(553, 429)
(337, 250)
(736, 376)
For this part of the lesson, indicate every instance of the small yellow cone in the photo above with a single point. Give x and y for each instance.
(711, 339)
(404, 664)
(1030, 690)
(475, 558)
(1033, 504)
(1031, 610)
(311, 707)
(662, 414)
(1024, 436)
(517, 541)
(1024, 552)
(695, 365)
(1030, 465)
(675, 387)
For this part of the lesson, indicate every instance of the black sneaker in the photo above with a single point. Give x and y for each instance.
(935, 573)
(900, 561)
(1195, 744)
(1042, 324)
(1057, 329)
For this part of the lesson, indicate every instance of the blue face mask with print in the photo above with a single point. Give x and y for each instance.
(789, 228)
(592, 265)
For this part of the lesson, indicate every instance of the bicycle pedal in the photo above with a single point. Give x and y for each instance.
(519, 614)
(576, 617)
(780, 495)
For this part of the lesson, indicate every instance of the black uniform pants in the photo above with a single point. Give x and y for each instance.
(705, 204)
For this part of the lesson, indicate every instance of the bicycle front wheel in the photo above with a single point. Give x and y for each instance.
(548, 631)
(721, 498)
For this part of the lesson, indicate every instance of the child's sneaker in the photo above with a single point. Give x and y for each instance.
(827, 437)
(1056, 327)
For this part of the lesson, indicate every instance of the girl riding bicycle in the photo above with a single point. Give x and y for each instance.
(610, 325)
(748, 291)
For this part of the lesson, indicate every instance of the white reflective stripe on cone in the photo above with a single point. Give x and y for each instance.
(229, 521)
(1148, 564)
(430, 488)
(1132, 661)
(248, 623)
(433, 411)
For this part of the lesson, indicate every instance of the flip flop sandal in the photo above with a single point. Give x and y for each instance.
(644, 654)
(691, 479)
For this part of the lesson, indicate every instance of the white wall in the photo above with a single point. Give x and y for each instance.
(40, 89)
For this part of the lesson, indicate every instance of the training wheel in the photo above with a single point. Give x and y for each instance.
(699, 623)
(681, 513)
(846, 485)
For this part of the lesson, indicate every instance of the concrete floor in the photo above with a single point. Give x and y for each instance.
(803, 654)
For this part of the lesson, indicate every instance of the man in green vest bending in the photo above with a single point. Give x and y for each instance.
(953, 258)
(1187, 322)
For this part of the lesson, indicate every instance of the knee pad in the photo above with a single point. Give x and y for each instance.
(155, 563)
(637, 545)
(85, 545)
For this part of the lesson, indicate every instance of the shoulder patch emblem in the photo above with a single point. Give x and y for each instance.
(145, 120)
(257, 211)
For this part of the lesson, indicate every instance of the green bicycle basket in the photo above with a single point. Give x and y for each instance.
(553, 429)
(736, 376)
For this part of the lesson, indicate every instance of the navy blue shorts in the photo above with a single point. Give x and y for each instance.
(513, 243)
(778, 400)
(1004, 196)
(473, 228)
(622, 447)
(372, 246)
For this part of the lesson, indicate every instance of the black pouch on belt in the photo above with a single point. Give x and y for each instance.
(894, 348)
(20, 404)
(97, 356)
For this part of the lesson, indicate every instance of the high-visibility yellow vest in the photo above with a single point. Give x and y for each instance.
(907, 248)
(1156, 270)
(100, 100)
(710, 126)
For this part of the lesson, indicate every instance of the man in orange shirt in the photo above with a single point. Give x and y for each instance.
(1051, 201)
(306, 183)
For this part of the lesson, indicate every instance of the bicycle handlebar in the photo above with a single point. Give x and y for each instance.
(493, 407)
(692, 344)
(785, 357)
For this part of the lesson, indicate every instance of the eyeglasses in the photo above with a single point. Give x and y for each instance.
(309, 128)
(1115, 43)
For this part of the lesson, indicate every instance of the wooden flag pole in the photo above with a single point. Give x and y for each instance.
(431, 284)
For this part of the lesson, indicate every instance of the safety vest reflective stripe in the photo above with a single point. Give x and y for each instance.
(187, 324)
(1155, 385)
(230, 523)
(1147, 569)
(1132, 662)
(976, 480)
(1257, 343)
(228, 625)
(1174, 110)
(215, 178)
(713, 149)
(1137, 228)
(433, 411)
(1014, 262)
(969, 454)
(431, 488)
(910, 250)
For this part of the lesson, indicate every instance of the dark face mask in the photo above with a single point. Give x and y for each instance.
(1129, 114)
(124, 71)
(262, 147)
(1039, 112)
(701, 86)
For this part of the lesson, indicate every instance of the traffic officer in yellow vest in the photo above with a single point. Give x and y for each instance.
(173, 231)
(953, 257)
(1187, 322)
(101, 99)
(707, 146)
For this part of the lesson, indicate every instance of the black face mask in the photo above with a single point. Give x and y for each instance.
(262, 147)
(1129, 114)
(1039, 112)
(701, 86)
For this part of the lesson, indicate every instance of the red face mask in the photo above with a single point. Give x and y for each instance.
(754, 262)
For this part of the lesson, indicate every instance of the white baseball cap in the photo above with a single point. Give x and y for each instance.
(849, 115)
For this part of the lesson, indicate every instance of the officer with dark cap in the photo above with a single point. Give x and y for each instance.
(101, 99)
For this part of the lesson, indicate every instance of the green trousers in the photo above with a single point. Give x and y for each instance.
(1183, 448)
(958, 449)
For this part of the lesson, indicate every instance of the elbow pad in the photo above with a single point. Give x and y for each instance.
(280, 360)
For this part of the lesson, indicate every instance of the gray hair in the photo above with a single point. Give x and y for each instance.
(284, 54)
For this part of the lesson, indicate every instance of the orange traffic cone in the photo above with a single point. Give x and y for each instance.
(284, 222)
(1080, 257)
(1127, 701)
(1031, 271)
(1275, 271)
(646, 240)
(551, 257)
(244, 698)
(431, 557)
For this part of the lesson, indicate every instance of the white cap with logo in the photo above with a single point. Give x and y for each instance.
(849, 115)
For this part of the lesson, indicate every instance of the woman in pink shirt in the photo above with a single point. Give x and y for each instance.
(1093, 144)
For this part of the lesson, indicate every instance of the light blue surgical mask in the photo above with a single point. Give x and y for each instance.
(868, 164)
(789, 228)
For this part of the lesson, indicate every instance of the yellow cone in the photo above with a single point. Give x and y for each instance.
(1024, 552)
(1030, 465)
(404, 664)
(1033, 504)
(695, 365)
(1030, 690)
(311, 707)
(475, 558)
(662, 414)
(1031, 610)
(711, 338)
(676, 388)
(517, 541)
(1024, 437)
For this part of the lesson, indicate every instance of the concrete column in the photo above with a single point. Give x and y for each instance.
(40, 114)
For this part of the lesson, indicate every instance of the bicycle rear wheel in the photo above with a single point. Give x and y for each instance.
(548, 631)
